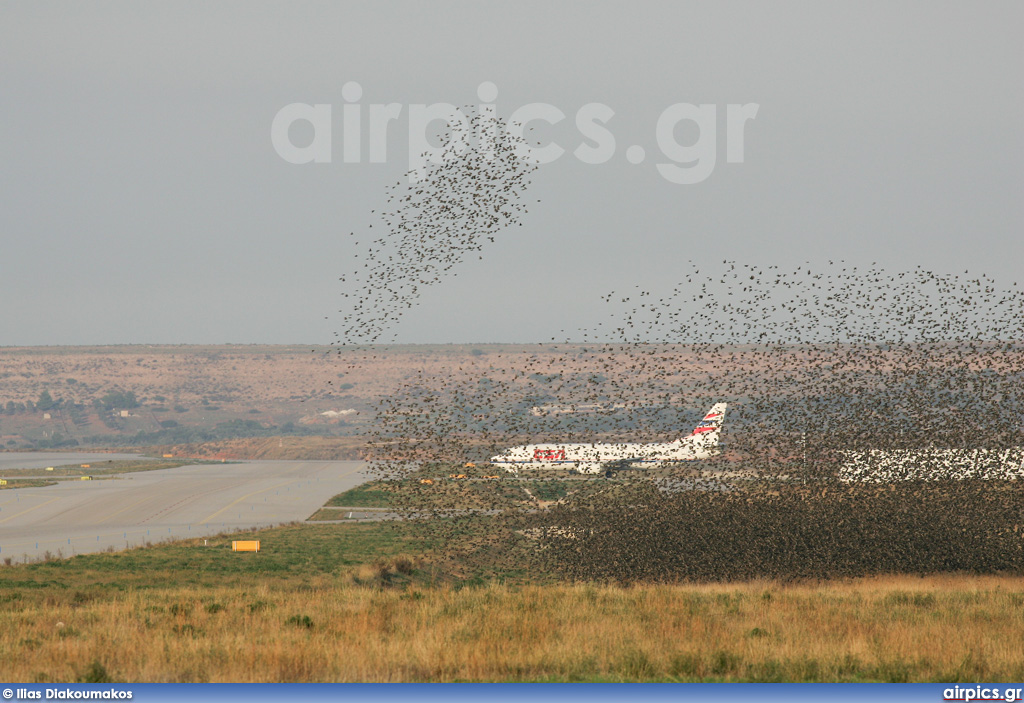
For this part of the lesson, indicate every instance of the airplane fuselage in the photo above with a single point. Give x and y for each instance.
(597, 458)
(555, 456)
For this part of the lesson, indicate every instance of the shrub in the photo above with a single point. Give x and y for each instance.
(300, 621)
(96, 673)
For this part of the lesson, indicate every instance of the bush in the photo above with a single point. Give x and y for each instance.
(96, 673)
(122, 400)
(300, 621)
(45, 401)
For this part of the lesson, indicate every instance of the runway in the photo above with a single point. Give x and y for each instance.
(76, 517)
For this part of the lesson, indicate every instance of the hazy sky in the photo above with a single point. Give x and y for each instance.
(142, 201)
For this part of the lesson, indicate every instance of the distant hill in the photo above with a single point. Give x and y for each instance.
(135, 395)
(422, 399)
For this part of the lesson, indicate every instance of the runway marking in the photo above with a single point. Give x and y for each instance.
(143, 499)
(183, 500)
(147, 498)
(239, 500)
(35, 507)
(166, 508)
(169, 507)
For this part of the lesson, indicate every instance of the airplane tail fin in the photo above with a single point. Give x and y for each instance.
(711, 426)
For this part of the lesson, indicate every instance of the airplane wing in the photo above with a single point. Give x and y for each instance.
(607, 468)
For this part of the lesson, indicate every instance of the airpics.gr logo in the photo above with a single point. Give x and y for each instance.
(981, 693)
(687, 163)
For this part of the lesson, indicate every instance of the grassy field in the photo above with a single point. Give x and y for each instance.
(324, 603)
(108, 467)
(368, 495)
(292, 555)
(470, 491)
(457, 599)
(25, 483)
(311, 448)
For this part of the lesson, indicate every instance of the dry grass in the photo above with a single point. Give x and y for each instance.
(271, 448)
(25, 483)
(339, 628)
(101, 468)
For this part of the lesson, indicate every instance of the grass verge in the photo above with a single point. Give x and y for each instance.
(375, 494)
(109, 467)
(25, 483)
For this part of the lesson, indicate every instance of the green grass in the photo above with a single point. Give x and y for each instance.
(460, 551)
(447, 493)
(290, 555)
(26, 483)
(375, 494)
(328, 514)
(334, 514)
(549, 490)
(109, 467)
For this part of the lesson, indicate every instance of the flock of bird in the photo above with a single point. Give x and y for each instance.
(435, 217)
(812, 531)
(956, 464)
(861, 401)
(811, 363)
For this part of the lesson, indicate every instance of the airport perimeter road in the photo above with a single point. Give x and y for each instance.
(74, 517)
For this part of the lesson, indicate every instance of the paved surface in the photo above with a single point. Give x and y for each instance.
(75, 517)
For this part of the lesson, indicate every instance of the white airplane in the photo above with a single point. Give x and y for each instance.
(702, 443)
